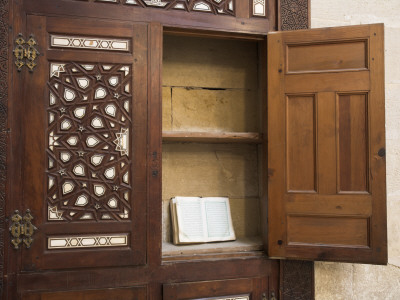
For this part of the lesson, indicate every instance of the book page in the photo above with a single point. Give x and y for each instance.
(190, 218)
(218, 218)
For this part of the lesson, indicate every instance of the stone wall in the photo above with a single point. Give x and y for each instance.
(355, 281)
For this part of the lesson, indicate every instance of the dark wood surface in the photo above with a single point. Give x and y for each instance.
(296, 280)
(35, 170)
(254, 287)
(327, 186)
(254, 272)
(4, 101)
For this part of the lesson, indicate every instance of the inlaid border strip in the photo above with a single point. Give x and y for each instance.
(4, 28)
(90, 241)
(91, 43)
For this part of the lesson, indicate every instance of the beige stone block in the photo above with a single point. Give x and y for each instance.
(166, 221)
(376, 282)
(205, 62)
(333, 281)
(393, 205)
(191, 169)
(392, 53)
(393, 111)
(393, 166)
(210, 110)
(166, 109)
(245, 216)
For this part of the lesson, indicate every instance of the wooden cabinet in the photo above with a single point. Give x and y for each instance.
(129, 103)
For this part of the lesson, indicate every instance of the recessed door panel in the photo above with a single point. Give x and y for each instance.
(85, 115)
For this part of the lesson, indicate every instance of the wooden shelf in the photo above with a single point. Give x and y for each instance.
(212, 137)
(242, 245)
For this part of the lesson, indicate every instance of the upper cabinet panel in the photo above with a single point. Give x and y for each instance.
(239, 16)
(327, 56)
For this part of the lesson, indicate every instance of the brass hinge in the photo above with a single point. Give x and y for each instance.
(25, 52)
(22, 229)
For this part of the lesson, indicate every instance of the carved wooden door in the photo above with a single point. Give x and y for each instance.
(85, 135)
(326, 136)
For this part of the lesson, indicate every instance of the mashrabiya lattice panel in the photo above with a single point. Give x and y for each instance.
(209, 6)
(88, 155)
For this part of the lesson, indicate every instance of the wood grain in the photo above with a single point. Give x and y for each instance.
(348, 166)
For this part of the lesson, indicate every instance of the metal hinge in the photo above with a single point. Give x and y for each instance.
(25, 52)
(22, 229)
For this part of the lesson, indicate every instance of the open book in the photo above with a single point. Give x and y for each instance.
(201, 220)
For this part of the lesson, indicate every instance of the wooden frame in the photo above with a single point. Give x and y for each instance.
(89, 279)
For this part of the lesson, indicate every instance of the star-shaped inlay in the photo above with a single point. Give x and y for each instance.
(62, 172)
(115, 187)
(97, 206)
(81, 153)
(84, 184)
(98, 77)
(116, 95)
(63, 110)
(81, 128)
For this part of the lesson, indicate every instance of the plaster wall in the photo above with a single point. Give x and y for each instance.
(356, 281)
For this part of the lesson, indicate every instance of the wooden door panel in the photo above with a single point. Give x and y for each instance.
(130, 293)
(85, 120)
(300, 141)
(316, 57)
(352, 152)
(240, 289)
(327, 198)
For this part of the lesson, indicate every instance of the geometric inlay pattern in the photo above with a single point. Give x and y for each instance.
(88, 153)
(294, 14)
(89, 43)
(259, 8)
(208, 6)
(96, 241)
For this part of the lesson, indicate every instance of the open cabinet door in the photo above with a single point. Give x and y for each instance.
(326, 145)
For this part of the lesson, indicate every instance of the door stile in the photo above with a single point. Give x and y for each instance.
(155, 40)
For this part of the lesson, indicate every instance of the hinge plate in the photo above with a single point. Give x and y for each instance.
(22, 229)
(25, 53)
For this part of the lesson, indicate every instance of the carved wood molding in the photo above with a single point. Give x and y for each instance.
(294, 14)
(297, 280)
(4, 25)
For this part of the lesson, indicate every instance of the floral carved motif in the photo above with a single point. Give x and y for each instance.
(294, 14)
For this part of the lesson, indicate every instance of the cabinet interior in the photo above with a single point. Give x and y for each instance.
(212, 122)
